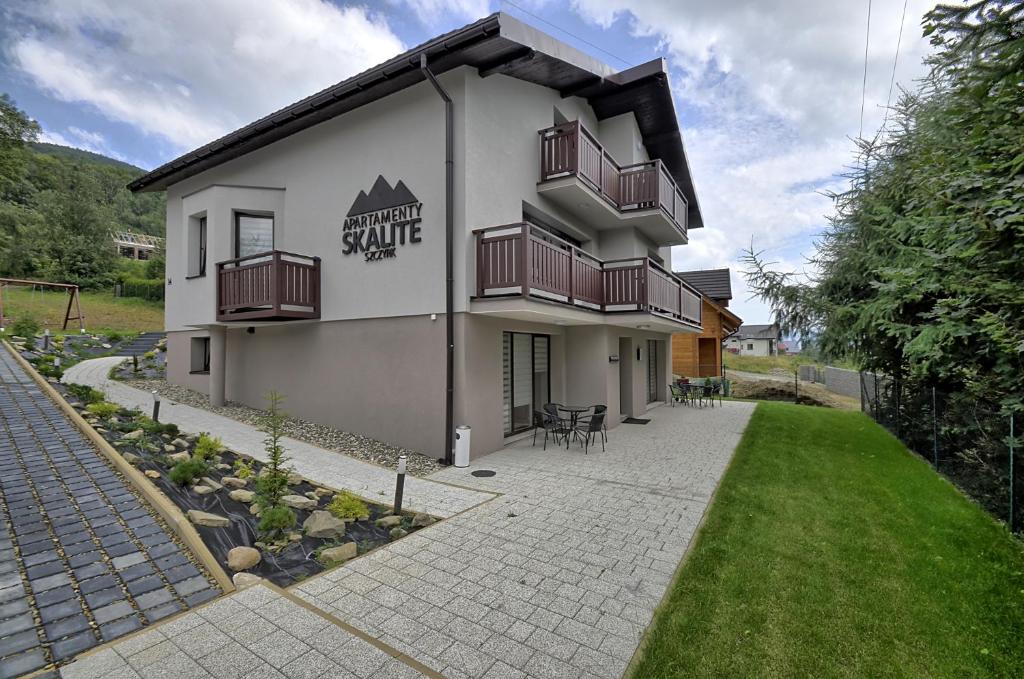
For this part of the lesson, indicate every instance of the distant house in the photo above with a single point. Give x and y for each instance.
(755, 340)
(136, 245)
(701, 355)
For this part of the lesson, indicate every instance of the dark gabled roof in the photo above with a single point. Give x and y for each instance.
(713, 283)
(495, 44)
(747, 331)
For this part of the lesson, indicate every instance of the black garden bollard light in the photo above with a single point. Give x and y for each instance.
(46, 339)
(135, 363)
(400, 484)
(156, 406)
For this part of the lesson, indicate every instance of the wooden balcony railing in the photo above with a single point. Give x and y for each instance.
(570, 149)
(521, 259)
(273, 286)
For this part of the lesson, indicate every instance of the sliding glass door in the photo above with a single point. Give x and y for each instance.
(652, 371)
(526, 378)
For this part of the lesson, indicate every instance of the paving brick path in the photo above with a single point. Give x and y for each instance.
(82, 558)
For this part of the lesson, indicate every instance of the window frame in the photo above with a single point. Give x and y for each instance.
(202, 242)
(238, 214)
(206, 356)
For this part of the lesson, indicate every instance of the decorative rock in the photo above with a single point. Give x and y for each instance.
(243, 558)
(299, 502)
(202, 490)
(323, 492)
(389, 521)
(245, 579)
(312, 496)
(223, 467)
(152, 473)
(179, 457)
(421, 520)
(206, 519)
(169, 448)
(240, 495)
(255, 510)
(294, 479)
(397, 533)
(179, 443)
(134, 435)
(130, 458)
(211, 483)
(232, 482)
(294, 537)
(321, 524)
(340, 553)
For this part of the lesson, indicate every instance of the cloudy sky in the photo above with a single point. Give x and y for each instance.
(768, 91)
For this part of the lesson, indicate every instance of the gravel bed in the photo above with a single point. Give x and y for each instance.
(352, 445)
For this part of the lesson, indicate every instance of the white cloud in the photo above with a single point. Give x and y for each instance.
(772, 95)
(190, 71)
(433, 12)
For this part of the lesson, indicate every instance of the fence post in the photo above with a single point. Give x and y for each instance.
(1013, 512)
(935, 430)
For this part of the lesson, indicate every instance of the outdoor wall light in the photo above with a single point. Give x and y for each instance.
(251, 330)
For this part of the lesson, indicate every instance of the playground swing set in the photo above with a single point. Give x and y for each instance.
(74, 299)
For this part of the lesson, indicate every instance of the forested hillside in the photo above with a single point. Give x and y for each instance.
(58, 205)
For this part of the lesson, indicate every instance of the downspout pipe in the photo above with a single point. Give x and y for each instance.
(449, 263)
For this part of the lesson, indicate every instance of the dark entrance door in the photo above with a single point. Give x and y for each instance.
(526, 378)
(652, 371)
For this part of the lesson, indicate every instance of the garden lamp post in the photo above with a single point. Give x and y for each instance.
(400, 484)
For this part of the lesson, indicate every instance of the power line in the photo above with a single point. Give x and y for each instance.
(569, 33)
(895, 60)
(864, 84)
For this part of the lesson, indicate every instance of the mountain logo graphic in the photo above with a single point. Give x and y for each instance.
(381, 197)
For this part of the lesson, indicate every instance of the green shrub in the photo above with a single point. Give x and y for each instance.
(275, 521)
(345, 505)
(207, 447)
(26, 326)
(186, 471)
(152, 427)
(103, 409)
(143, 288)
(84, 393)
(113, 337)
(243, 469)
(149, 355)
(49, 370)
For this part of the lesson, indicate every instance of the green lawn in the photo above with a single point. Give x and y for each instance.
(102, 310)
(831, 551)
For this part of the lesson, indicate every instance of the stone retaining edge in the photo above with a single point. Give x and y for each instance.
(167, 510)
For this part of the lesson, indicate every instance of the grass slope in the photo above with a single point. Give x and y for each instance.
(831, 551)
(102, 310)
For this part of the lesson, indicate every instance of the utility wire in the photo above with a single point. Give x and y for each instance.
(895, 60)
(864, 84)
(569, 33)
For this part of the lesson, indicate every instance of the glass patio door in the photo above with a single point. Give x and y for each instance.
(652, 371)
(526, 383)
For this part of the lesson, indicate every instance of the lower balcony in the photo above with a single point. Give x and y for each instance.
(520, 260)
(270, 286)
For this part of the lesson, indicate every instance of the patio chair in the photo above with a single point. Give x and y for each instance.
(678, 394)
(542, 420)
(559, 425)
(592, 426)
(603, 411)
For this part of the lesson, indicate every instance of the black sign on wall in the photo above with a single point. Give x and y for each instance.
(381, 221)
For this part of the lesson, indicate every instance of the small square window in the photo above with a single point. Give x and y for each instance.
(200, 355)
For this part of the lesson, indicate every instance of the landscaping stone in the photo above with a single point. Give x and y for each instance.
(206, 519)
(202, 490)
(421, 520)
(168, 448)
(242, 495)
(179, 457)
(312, 496)
(299, 502)
(242, 558)
(179, 443)
(130, 458)
(211, 483)
(389, 521)
(323, 492)
(254, 509)
(294, 479)
(134, 435)
(245, 579)
(396, 533)
(224, 467)
(233, 482)
(321, 524)
(340, 553)
(152, 473)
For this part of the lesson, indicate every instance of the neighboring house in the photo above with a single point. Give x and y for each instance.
(307, 252)
(701, 355)
(136, 245)
(755, 340)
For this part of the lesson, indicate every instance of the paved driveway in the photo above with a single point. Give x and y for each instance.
(560, 575)
(82, 558)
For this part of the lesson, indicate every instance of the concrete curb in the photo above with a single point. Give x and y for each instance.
(167, 510)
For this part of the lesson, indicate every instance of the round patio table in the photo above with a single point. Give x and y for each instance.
(574, 416)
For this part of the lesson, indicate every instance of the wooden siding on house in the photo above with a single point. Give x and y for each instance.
(686, 347)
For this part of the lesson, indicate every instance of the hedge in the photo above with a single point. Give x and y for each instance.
(143, 287)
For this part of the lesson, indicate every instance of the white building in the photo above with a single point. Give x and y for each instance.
(755, 340)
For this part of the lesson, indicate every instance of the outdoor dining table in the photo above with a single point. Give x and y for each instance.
(574, 412)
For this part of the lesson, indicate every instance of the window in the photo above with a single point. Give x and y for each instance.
(196, 247)
(750, 346)
(200, 356)
(526, 380)
(143, 254)
(127, 251)
(254, 234)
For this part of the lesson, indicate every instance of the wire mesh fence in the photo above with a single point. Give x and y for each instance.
(970, 440)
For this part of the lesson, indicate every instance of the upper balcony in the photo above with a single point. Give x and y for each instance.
(520, 260)
(270, 286)
(579, 174)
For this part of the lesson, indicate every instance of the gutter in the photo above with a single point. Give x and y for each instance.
(449, 241)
